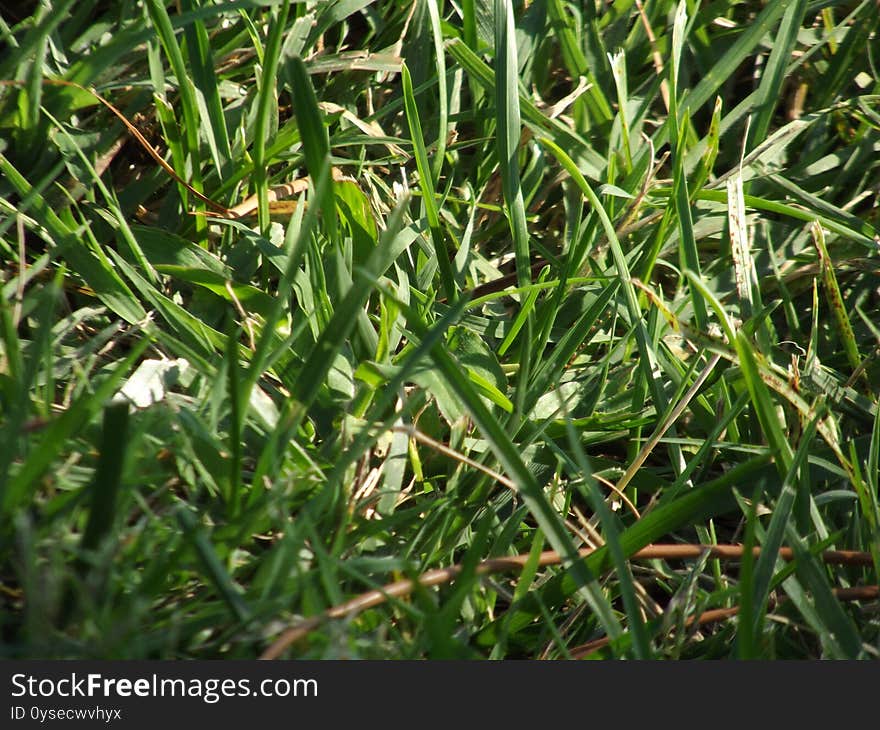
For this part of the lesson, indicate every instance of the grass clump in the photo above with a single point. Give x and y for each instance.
(561, 295)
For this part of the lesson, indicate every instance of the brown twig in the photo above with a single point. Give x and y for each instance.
(136, 133)
(278, 207)
(399, 589)
(857, 593)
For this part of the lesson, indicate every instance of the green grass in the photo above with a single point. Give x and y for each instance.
(213, 431)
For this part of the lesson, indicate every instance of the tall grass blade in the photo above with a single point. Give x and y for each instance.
(426, 181)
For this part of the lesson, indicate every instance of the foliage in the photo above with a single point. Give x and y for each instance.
(564, 274)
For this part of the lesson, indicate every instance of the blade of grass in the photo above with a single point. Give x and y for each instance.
(237, 412)
(835, 299)
(230, 592)
(202, 63)
(509, 131)
(864, 236)
(162, 24)
(689, 254)
(868, 493)
(611, 535)
(772, 541)
(426, 182)
(618, 71)
(764, 407)
(440, 60)
(104, 490)
(838, 632)
(773, 74)
(305, 107)
(679, 118)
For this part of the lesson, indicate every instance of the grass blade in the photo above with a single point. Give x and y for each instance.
(306, 107)
(105, 488)
(508, 136)
(835, 299)
(764, 407)
(426, 182)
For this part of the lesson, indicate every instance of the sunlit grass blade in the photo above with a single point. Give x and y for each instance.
(869, 494)
(740, 252)
(508, 137)
(426, 182)
(864, 235)
(688, 252)
(205, 82)
(773, 75)
(267, 104)
(707, 161)
(443, 115)
(618, 70)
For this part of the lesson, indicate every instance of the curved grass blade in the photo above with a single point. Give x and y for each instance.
(865, 235)
(304, 104)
